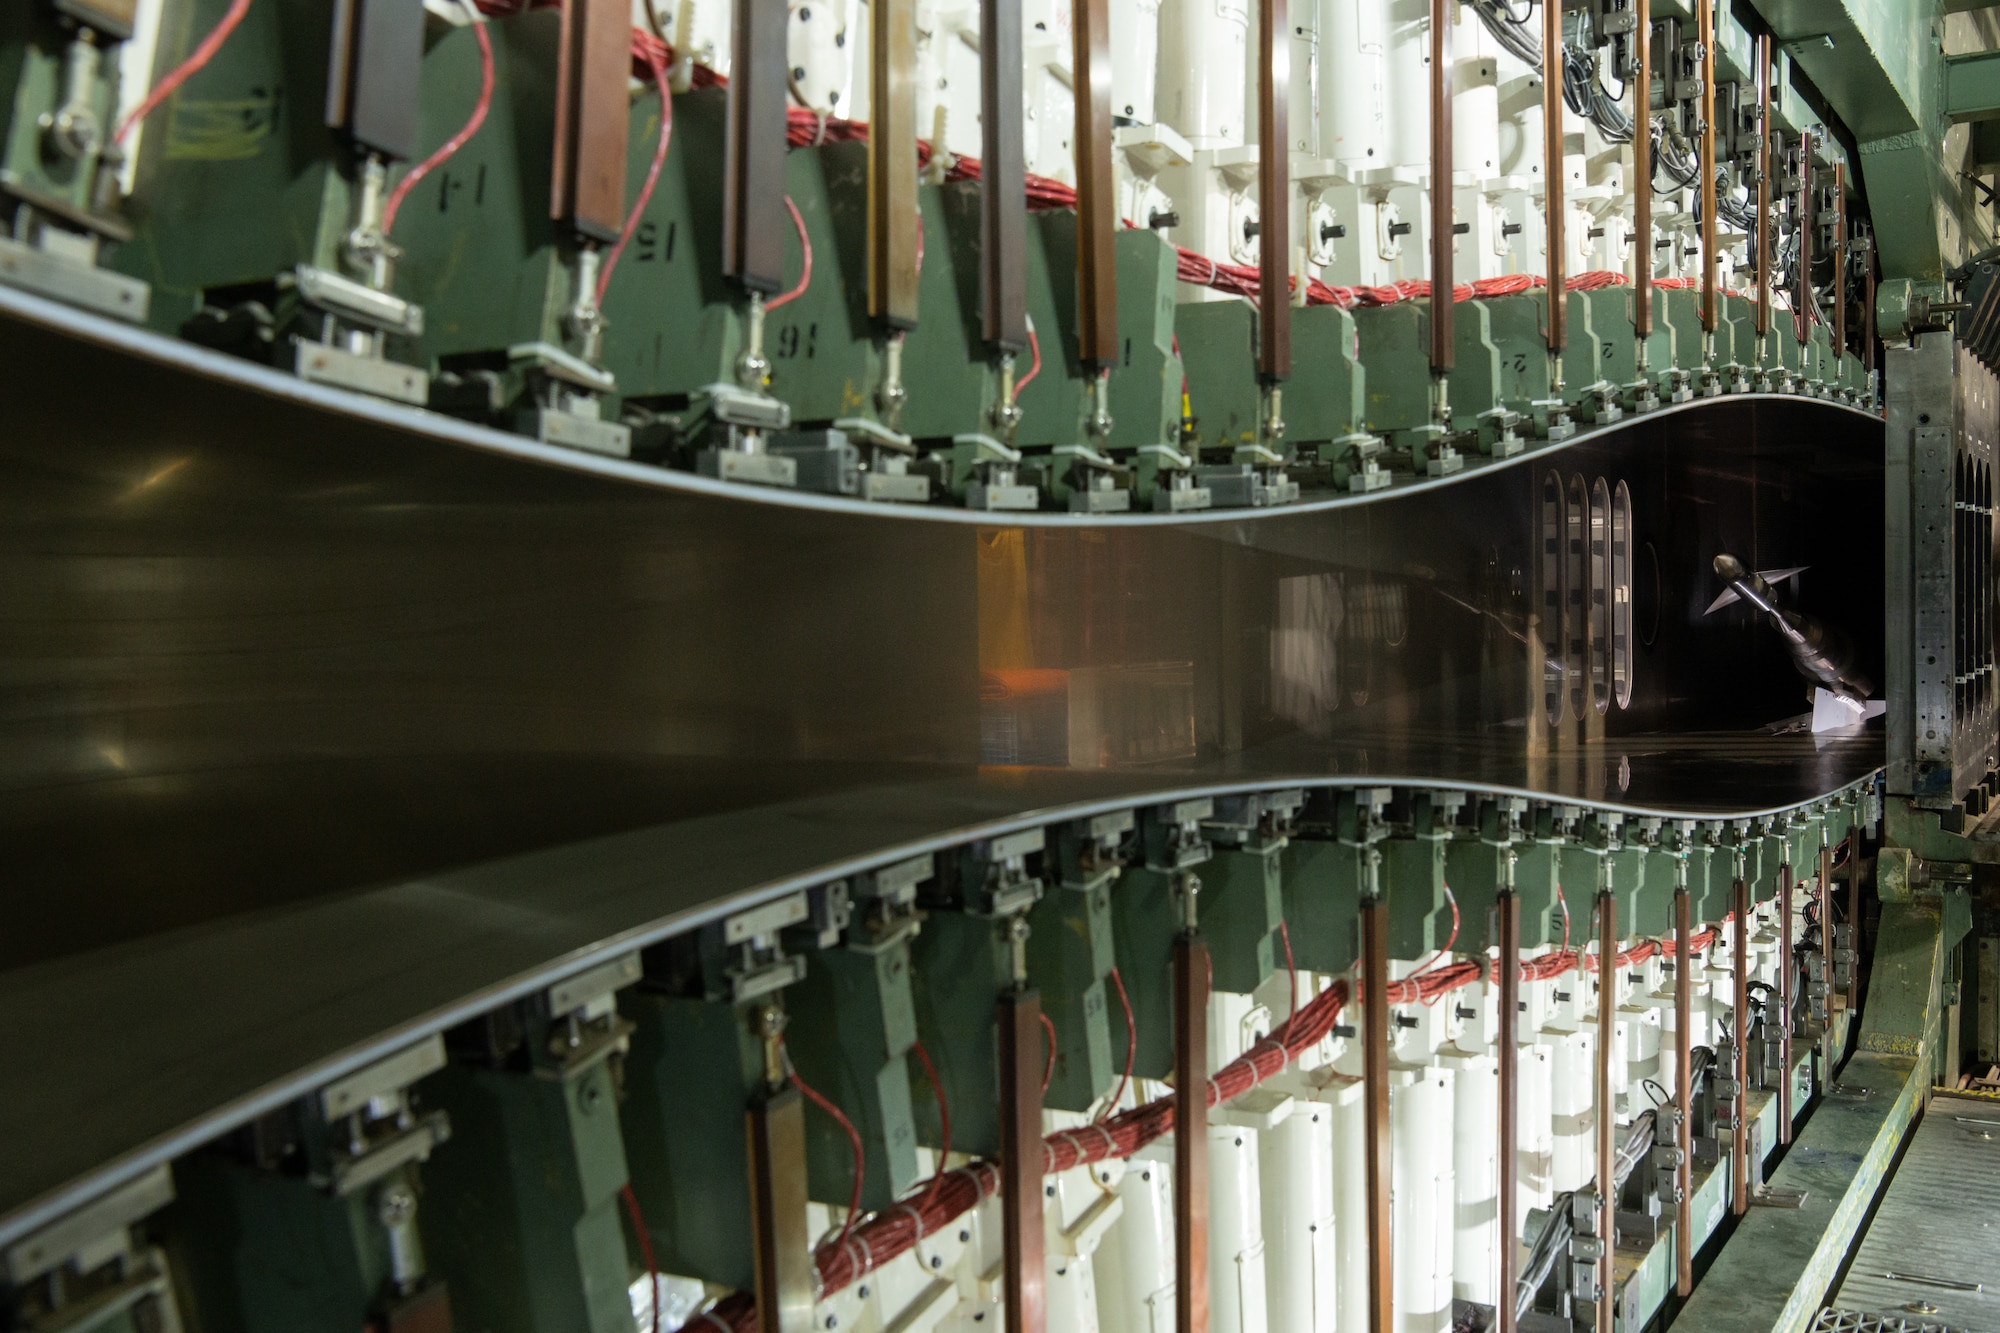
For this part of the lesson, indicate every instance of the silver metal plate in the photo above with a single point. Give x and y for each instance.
(56, 1244)
(573, 993)
(890, 488)
(766, 920)
(979, 495)
(399, 1071)
(343, 369)
(748, 468)
(358, 302)
(575, 432)
(94, 289)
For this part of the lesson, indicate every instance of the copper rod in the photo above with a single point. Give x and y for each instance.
(1642, 171)
(1826, 953)
(1375, 1094)
(1784, 1003)
(1552, 170)
(1003, 182)
(754, 234)
(1684, 1092)
(593, 113)
(1761, 250)
(1804, 303)
(1705, 38)
(1839, 262)
(1442, 223)
(893, 220)
(1022, 1243)
(1096, 204)
(1867, 326)
(1274, 192)
(1607, 1112)
(1508, 908)
(1191, 1134)
(1854, 885)
(1739, 1163)
(781, 1250)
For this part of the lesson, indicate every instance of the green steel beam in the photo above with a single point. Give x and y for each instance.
(1972, 86)
(1880, 66)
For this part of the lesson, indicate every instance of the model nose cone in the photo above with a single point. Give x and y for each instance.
(1728, 567)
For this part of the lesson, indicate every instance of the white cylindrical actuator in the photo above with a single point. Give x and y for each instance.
(1235, 1233)
(1409, 79)
(1135, 59)
(1204, 53)
(1420, 1120)
(1299, 1229)
(1353, 83)
(1475, 1176)
(1135, 1264)
(1475, 103)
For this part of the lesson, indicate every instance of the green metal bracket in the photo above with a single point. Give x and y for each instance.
(1413, 875)
(528, 1198)
(851, 1024)
(684, 1136)
(1324, 411)
(263, 1250)
(1145, 919)
(961, 964)
(233, 186)
(1071, 953)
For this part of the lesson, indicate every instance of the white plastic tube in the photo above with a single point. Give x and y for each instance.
(1204, 47)
(1235, 1233)
(1299, 1223)
(1420, 1117)
(1354, 83)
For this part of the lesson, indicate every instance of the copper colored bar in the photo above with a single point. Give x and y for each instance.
(1096, 204)
(1021, 1059)
(593, 66)
(1442, 221)
(1684, 1093)
(1784, 1002)
(1803, 303)
(1826, 954)
(893, 221)
(755, 231)
(1190, 1134)
(372, 87)
(1761, 250)
(1854, 852)
(1705, 37)
(1739, 1159)
(1508, 909)
(781, 1251)
(1642, 171)
(1839, 259)
(1607, 1111)
(1375, 1094)
(1274, 192)
(1003, 184)
(1552, 170)
(1868, 312)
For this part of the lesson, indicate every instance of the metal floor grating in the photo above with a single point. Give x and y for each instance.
(1933, 1248)
(1851, 1321)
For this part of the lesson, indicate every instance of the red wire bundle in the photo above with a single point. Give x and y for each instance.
(893, 1232)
